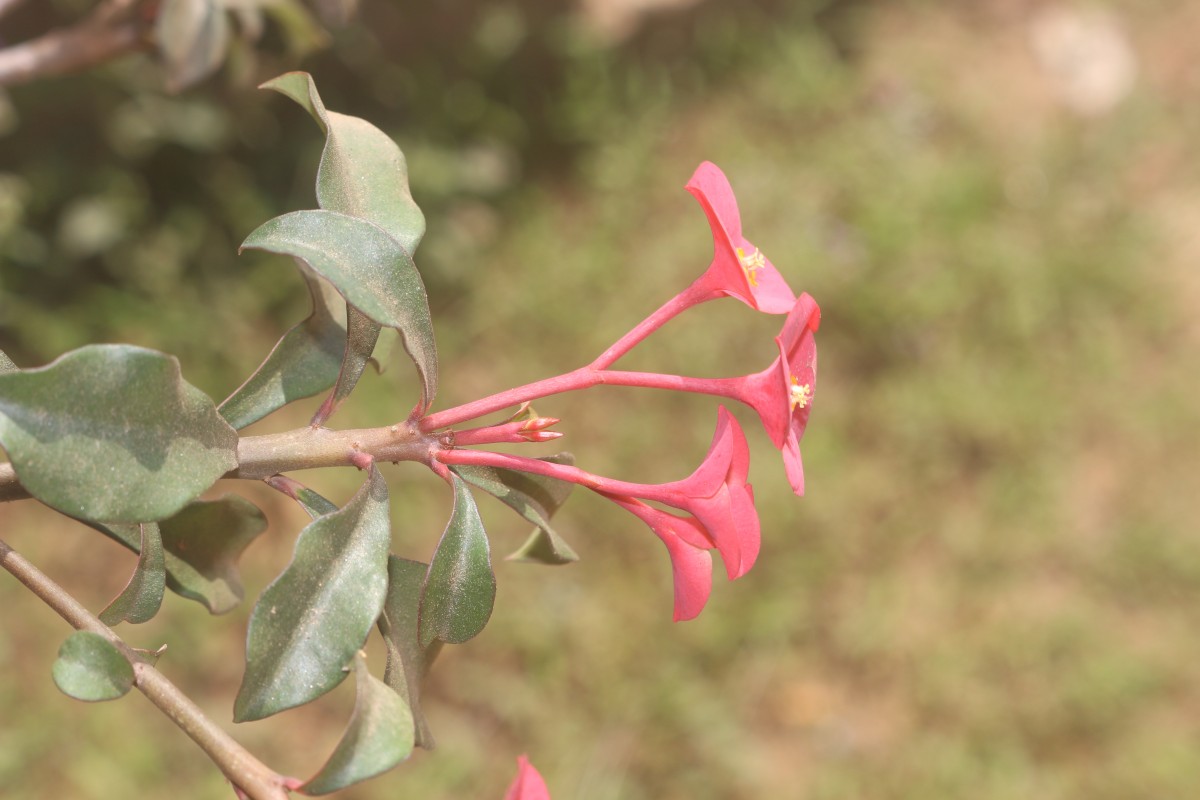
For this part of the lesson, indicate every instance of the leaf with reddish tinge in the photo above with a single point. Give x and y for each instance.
(361, 336)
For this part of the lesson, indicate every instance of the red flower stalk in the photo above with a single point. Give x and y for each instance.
(687, 544)
(716, 494)
(528, 784)
(781, 394)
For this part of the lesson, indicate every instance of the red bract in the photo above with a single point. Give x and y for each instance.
(528, 785)
(738, 269)
(687, 543)
(783, 393)
(719, 497)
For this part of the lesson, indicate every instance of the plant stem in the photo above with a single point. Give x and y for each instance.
(261, 457)
(662, 492)
(242, 769)
(10, 487)
(698, 292)
(585, 378)
(110, 31)
(581, 378)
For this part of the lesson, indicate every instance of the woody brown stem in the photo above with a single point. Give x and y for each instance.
(246, 772)
(113, 29)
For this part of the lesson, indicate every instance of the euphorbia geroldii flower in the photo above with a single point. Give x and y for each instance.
(782, 394)
(716, 494)
(738, 269)
(528, 785)
(687, 544)
(719, 497)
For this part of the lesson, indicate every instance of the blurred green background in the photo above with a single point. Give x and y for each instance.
(992, 589)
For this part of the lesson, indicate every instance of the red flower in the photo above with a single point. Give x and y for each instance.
(719, 497)
(738, 269)
(782, 394)
(716, 494)
(528, 785)
(687, 544)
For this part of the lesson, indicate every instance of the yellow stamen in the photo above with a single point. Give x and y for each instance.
(751, 264)
(800, 394)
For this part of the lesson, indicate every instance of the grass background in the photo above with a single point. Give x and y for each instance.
(991, 587)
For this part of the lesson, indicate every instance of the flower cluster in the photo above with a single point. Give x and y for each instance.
(716, 502)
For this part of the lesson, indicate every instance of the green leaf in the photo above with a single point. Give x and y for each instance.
(112, 433)
(305, 361)
(460, 589)
(192, 37)
(371, 270)
(311, 620)
(310, 501)
(142, 596)
(379, 736)
(314, 504)
(407, 660)
(6, 364)
(361, 336)
(364, 174)
(536, 498)
(90, 668)
(202, 544)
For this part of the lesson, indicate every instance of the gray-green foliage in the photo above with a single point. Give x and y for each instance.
(90, 668)
(379, 736)
(456, 601)
(112, 433)
(364, 174)
(534, 497)
(308, 624)
(306, 360)
(139, 601)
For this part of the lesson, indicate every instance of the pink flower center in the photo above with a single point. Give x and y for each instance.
(751, 264)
